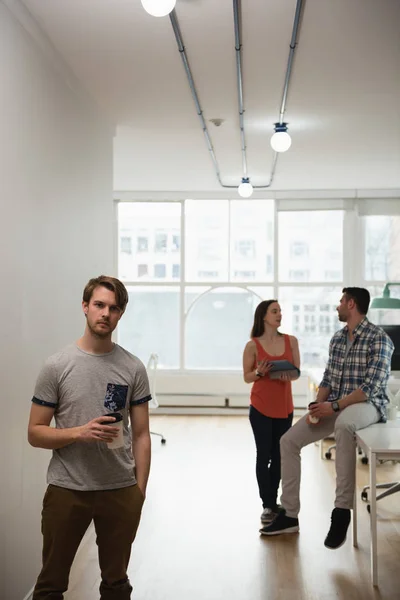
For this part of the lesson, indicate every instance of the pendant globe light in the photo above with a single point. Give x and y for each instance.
(281, 140)
(245, 189)
(158, 8)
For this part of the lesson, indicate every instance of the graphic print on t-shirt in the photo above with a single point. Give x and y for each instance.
(116, 396)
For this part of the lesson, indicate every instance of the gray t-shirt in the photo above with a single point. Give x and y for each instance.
(81, 386)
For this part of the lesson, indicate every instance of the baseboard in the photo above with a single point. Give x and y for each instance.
(198, 410)
(29, 595)
(210, 410)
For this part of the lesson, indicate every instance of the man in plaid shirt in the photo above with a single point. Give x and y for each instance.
(352, 395)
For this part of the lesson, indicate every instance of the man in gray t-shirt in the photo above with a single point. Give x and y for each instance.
(87, 478)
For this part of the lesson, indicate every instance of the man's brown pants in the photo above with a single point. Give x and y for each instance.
(66, 516)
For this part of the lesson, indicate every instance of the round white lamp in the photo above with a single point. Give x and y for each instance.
(281, 140)
(158, 8)
(245, 189)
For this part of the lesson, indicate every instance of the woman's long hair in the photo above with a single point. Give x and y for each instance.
(259, 316)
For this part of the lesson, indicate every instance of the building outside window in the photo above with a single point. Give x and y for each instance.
(143, 270)
(176, 271)
(176, 242)
(126, 244)
(142, 244)
(298, 249)
(160, 243)
(245, 249)
(160, 271)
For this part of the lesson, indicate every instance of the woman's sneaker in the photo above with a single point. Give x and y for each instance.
(268, 515)
(282, 524)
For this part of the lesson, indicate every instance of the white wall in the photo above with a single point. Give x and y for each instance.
(56, 231)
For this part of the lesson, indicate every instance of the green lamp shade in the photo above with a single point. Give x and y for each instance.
(385, 302)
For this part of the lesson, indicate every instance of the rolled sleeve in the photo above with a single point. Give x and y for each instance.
(46, 388)
(325, 379)
(141, 390)
(379, 358)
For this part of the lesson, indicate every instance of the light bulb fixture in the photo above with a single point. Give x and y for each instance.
(245, 189)
(281, 140)
(158, 8)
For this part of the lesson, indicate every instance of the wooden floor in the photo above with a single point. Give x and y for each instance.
(199, 540)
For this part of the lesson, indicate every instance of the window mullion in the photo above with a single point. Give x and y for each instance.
(182, 320)
(276, 246)
(229, 239)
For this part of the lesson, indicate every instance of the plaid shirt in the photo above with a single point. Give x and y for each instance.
(366, 367)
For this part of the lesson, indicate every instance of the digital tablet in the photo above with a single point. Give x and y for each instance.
(282, 365)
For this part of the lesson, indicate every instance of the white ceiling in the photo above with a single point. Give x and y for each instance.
(343, 107)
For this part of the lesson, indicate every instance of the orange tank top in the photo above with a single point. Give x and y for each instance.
(272, 397)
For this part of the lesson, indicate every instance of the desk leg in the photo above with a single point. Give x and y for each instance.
(355, 540)
(374, 536)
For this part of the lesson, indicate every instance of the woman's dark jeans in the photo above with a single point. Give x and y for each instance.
(267, 434)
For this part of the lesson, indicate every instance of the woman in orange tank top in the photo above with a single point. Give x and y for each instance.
(271, 403)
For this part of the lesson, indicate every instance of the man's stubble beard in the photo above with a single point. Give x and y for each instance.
(100, 334)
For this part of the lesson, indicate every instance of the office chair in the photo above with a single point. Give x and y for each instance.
(391, 488)
(152, 372)
(328, 454)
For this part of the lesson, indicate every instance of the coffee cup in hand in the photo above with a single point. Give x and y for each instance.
(311, 419)
(118, 441)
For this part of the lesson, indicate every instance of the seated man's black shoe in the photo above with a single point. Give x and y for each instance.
(340, 521)
(281, 524)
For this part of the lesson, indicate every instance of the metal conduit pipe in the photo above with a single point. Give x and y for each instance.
(182, 51)
(238, 52)
(293, 44)
(238, 49)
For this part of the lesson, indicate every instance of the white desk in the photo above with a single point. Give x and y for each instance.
(381, 441)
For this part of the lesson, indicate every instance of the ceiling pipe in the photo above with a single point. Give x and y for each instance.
(182, 51)
(238, 49)
(238, 52)
(237, 11)
(293, 44)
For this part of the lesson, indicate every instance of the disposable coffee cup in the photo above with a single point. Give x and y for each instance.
(313, 420)
(118, 441)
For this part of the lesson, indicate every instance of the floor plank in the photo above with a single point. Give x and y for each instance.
(199, 539)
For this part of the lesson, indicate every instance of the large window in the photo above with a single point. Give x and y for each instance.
(206, 240)
(310, 314)
(197, 269)
(311, 246)
(382, 248)
(151, 324)
(229, 240)
(217, 325)
(382, 261)
(227, 251)
(153, 230)
(251, 240)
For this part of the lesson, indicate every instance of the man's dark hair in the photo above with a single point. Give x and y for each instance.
(360, 296)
